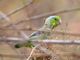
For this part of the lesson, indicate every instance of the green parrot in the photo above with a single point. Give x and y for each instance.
(50, 23)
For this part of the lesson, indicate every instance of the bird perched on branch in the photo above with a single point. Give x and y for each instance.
(50, 23)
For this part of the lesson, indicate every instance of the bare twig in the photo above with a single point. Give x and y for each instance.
(2, 16)
(13, 25)
(19, 8)
(55, 32)
(14, 39)
(32, 52)
(46, 14)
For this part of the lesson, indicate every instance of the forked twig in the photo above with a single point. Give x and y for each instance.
(32, 52)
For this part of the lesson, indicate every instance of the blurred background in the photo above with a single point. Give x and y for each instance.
(29, 15)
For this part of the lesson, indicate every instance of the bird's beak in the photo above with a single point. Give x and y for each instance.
(60, 21)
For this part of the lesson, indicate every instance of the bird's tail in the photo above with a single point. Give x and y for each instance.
(26, 44)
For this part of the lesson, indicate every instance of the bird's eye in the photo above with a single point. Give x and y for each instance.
(55, 19)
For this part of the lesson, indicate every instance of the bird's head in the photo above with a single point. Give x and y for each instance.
(52, 21)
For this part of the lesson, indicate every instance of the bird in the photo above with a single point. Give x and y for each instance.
(50, 23)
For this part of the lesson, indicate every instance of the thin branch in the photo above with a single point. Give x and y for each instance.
(14, 11)
(32, 52)
(13, 25)
(19, 8)
(3, 16)
(59, 41)
(14, 39)
(24, 35)
(46, 14)
(34, 29)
